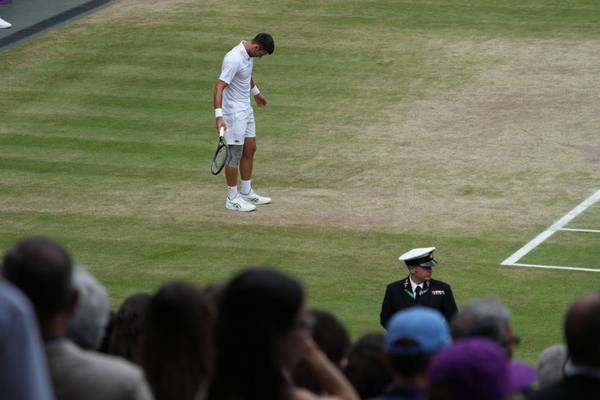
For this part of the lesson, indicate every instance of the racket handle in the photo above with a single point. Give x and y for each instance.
(221, 131)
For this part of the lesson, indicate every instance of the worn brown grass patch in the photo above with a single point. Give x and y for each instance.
(514, 146)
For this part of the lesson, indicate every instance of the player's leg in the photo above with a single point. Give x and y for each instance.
(234, 200)
(231, 170)
(236, 127)
(247, 160)
(247, 163)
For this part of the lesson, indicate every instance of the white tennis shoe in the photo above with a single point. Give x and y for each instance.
(239, 204)
(255, 199)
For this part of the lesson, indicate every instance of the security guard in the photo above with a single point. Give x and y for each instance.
(418, 288)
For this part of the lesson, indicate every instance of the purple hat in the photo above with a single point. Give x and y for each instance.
(478, 369)
(522, 376)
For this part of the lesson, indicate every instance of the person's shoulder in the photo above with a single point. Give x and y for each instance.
(399, 283)
(234, 54)
(91, 375)
(92, 363)
(232, 57)
(302, 394)
(434, 283)
(552, 392)
(114, 366)
(571, 387)
(12, 300)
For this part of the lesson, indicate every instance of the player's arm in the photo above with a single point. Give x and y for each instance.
(218, 104)
(259, 98)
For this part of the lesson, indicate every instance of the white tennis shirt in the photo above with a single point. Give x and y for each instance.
(236, 71)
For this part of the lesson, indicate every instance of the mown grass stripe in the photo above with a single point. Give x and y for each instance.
(92, 170)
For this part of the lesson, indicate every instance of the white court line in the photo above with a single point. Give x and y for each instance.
(553, 267)
(580, 230)
(539, 239)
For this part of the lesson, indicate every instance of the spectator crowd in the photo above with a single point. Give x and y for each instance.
(254, 338)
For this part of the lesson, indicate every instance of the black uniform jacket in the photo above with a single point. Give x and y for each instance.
(435, 294)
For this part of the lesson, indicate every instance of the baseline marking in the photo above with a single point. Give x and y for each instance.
(558, 225)
(553, 267)
(580, 230)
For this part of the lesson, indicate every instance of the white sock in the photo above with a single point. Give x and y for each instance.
(246, 186)
(232, 192)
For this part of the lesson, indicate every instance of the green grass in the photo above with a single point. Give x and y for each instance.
(107, 130)
(344, 272)
(567, 249)
(589, 219)
(571, 248)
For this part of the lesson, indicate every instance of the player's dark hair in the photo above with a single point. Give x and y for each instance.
(256, 309)
(265, 41)
(42, 269)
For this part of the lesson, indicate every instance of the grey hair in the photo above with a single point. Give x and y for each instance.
(482, 317)
(551, 365)
(88, 325)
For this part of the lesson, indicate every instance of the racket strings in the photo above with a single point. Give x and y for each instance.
(221, 156)
(219, 160)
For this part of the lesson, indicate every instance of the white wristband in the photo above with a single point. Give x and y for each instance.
(254, 90)
(218, 112)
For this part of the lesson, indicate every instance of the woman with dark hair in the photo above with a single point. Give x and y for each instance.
(368, 368)
(263, 332)
(126, 328)
(177, 343)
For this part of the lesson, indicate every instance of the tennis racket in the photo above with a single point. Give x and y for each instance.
(221, 155)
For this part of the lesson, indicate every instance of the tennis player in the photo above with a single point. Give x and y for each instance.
(233, 111)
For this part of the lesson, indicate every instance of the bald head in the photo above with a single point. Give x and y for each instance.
(582, 330)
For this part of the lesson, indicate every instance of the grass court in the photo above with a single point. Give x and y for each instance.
(469, 126)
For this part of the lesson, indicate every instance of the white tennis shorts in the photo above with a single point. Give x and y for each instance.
(240, 125)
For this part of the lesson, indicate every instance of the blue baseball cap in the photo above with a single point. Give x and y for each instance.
(417, 330)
